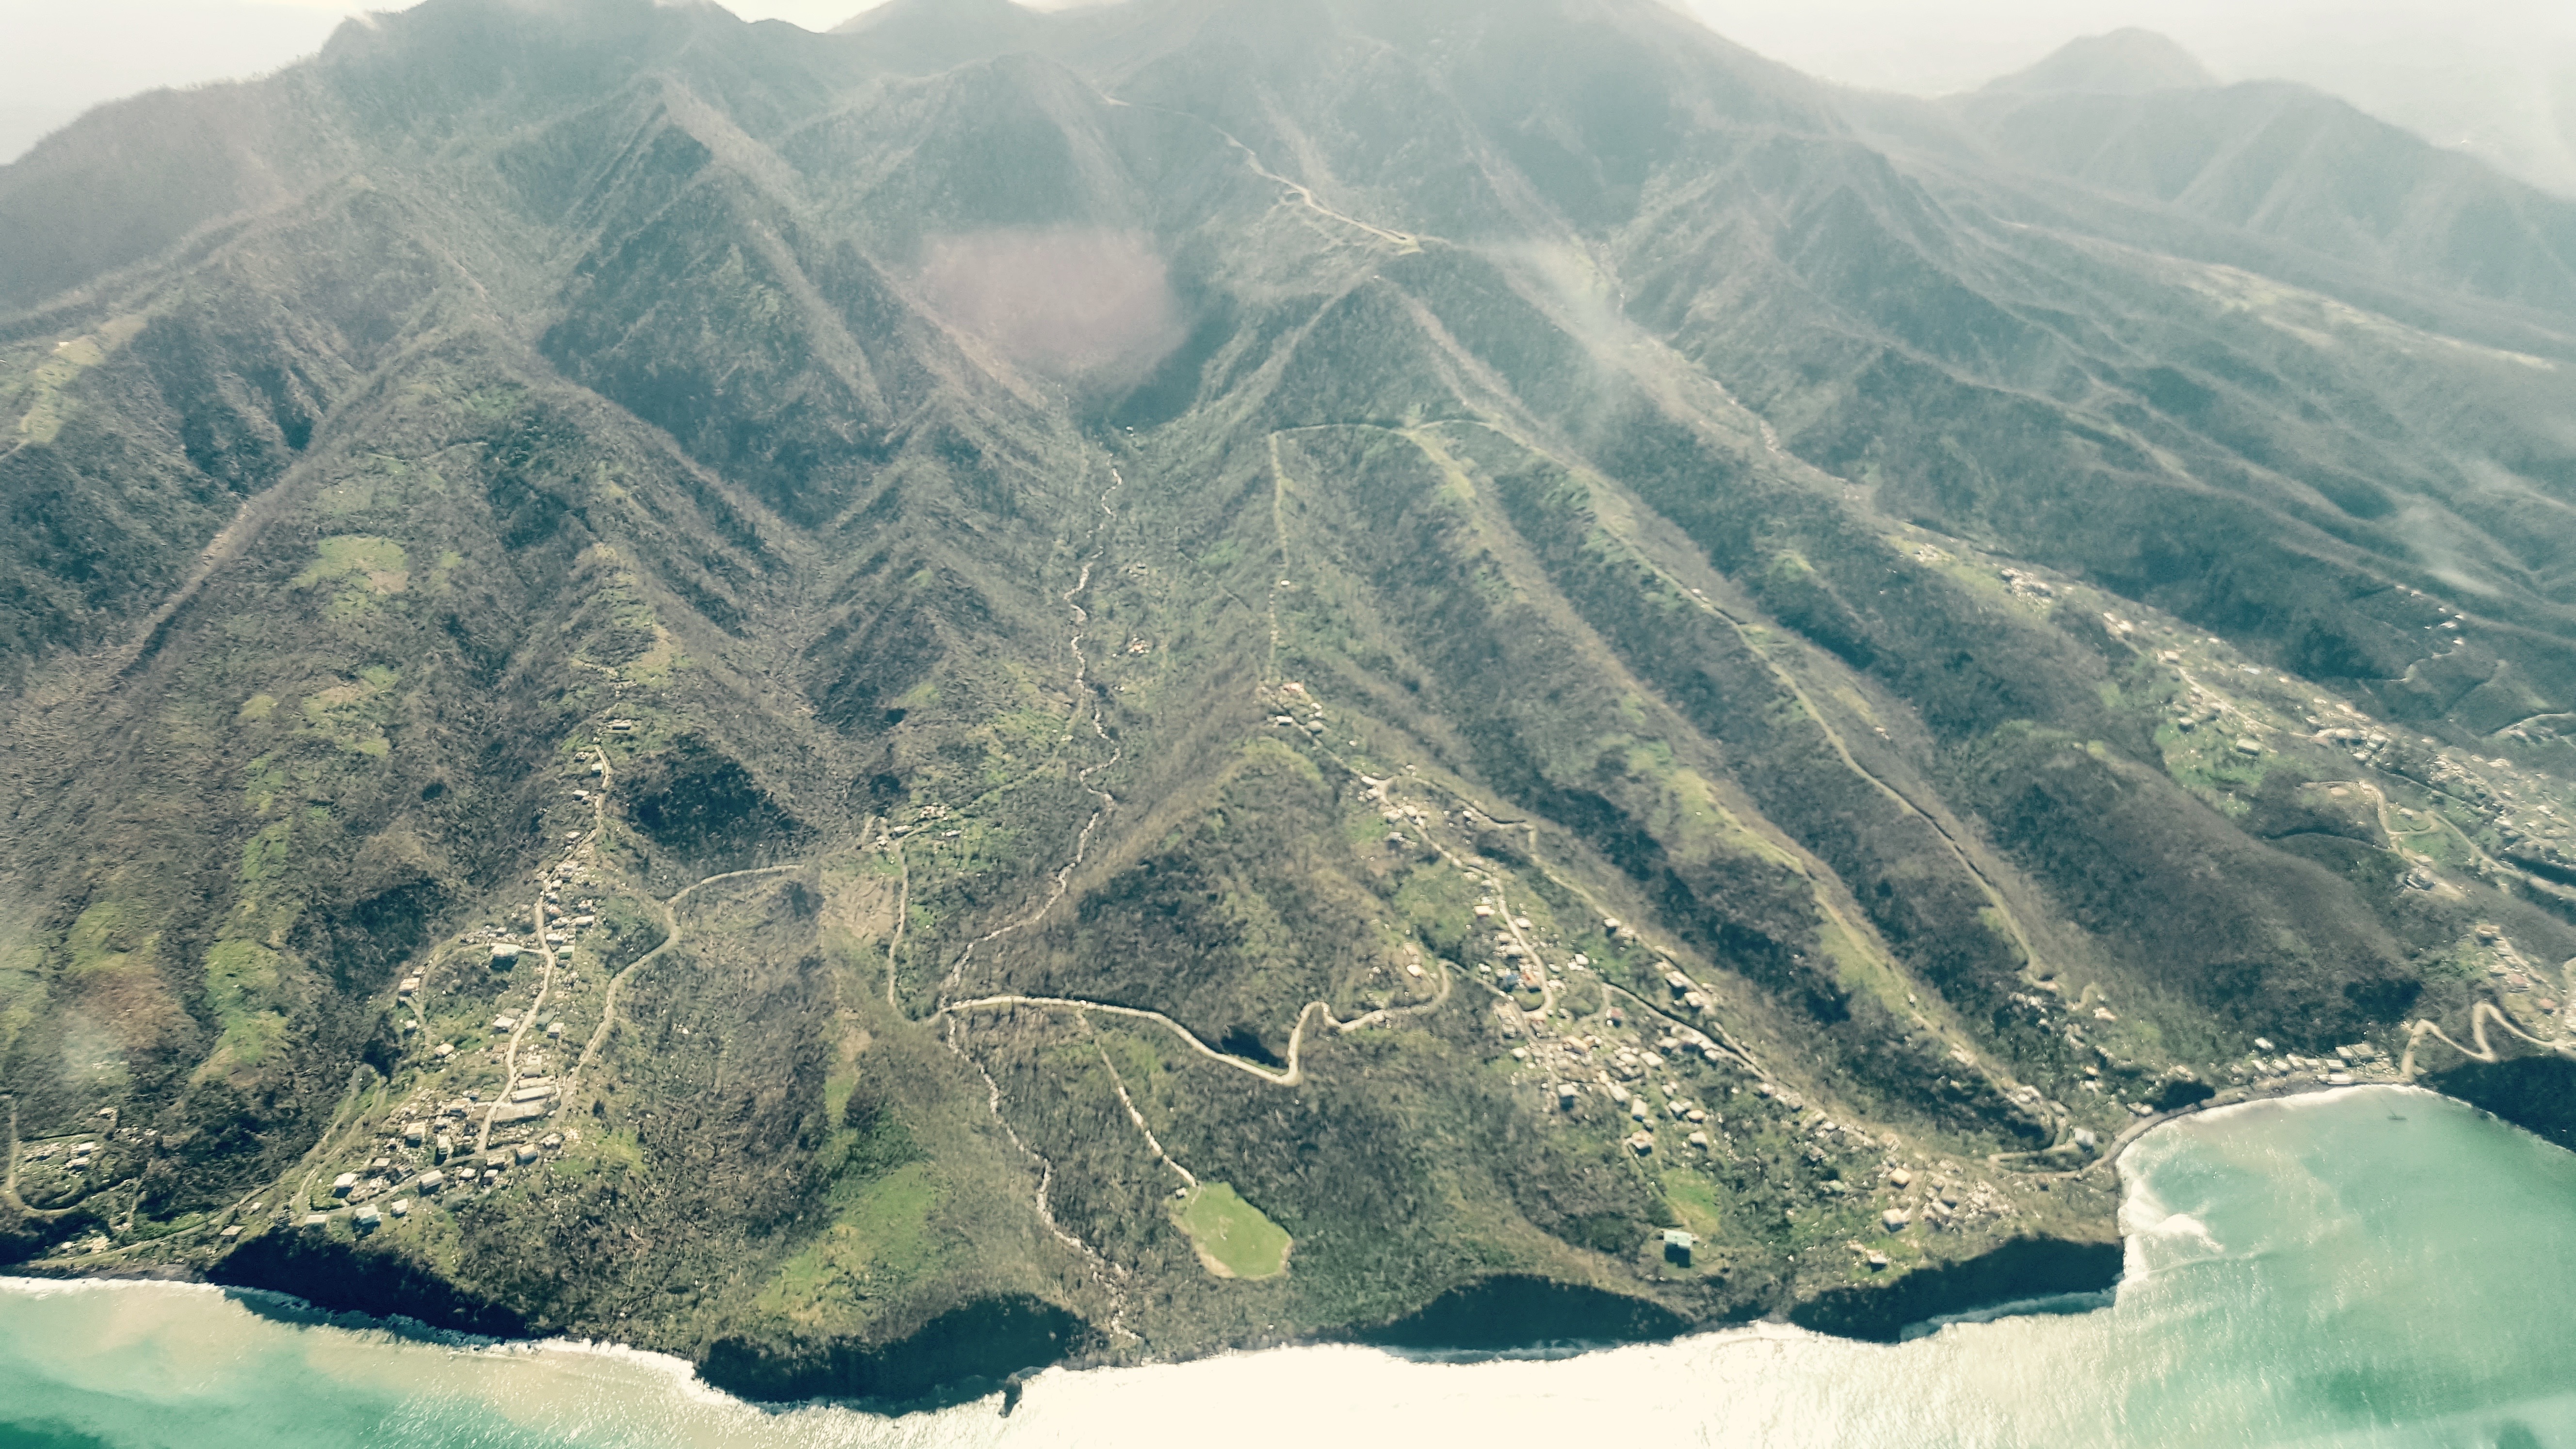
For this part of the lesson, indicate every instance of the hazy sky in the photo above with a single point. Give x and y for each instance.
(2498, 76)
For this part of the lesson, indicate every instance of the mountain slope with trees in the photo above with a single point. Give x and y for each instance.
(859, 667)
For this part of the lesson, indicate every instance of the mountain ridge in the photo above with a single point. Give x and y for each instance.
(2130, 61)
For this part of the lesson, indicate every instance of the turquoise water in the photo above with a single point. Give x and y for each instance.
(2373, 1267)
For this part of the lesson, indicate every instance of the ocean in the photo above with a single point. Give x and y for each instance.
(2370, 1267)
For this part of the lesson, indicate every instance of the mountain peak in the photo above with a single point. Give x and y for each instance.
(941, 15)
(2126, 62)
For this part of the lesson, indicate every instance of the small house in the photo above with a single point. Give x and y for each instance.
(1677, 1247)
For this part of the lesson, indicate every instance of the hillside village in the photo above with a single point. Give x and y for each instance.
(1598, 1028)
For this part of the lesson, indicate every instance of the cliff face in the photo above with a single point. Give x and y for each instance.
(2018, 1270)
(1186, 674)
(2531, 1091)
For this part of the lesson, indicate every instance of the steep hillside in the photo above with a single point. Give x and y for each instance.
(1000, 687)
(2280, 160)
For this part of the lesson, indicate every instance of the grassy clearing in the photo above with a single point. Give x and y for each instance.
(37, 395)
(378, 563)
(1234, 1239)
(353, 713)
(242, 978)
(880, 1240)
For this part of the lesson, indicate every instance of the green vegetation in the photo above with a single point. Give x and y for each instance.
(879, 1240)
(379, 563)
(1401, 745)
(1232, 1236)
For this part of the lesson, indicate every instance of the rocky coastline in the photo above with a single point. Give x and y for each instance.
(991, 1345)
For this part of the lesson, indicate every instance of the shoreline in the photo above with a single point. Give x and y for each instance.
(2202, 1338)
(2220, 1105)
(285, 1306)
(2231, 1098)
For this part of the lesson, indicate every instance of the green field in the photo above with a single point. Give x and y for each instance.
(1233, 1238)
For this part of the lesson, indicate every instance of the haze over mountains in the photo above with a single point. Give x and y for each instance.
(2494, 79)
(1462, 633)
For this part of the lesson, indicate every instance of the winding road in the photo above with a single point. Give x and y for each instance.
(670, 938)
(1294, 1074)
(1138, 1118)
(519, 1029)
(2479, 1015)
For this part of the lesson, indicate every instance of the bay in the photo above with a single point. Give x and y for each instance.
(2370, 1267)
